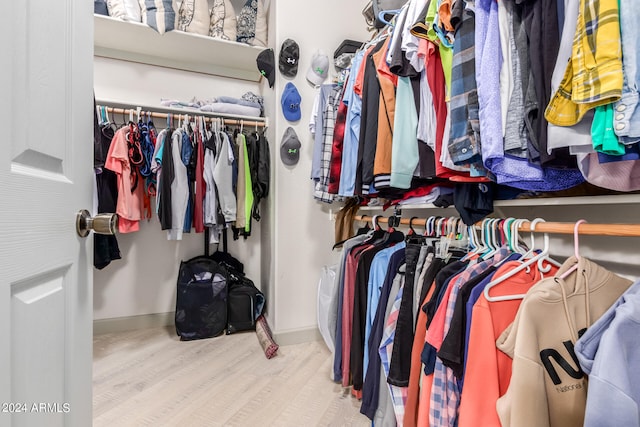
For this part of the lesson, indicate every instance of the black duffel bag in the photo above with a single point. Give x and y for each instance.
(201, 299)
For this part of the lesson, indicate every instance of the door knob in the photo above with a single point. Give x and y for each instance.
(104, 223)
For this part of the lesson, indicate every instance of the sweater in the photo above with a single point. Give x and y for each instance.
(548, 388)
(608, 352)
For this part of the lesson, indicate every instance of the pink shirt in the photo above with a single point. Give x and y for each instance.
(130, 204)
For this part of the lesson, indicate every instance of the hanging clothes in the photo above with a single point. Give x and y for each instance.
(105, 248)
(130, 203)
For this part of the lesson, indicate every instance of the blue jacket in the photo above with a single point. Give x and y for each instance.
(609, 352)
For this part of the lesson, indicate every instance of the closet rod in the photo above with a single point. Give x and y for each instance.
(192, 113)
(625, 230)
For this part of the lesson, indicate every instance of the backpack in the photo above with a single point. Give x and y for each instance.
(246, 304)
(201, 299)
(245, 301)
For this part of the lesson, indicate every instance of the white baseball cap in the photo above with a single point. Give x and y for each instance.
(319, 70)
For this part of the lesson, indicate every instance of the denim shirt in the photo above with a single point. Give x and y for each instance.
(626, 119)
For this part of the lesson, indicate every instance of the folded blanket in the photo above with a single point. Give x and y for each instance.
(223, 107)
(232, 100)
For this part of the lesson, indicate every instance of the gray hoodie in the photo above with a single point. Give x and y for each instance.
(609, 352)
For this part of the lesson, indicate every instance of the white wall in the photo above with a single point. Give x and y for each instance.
(144, 281)
(301, 234)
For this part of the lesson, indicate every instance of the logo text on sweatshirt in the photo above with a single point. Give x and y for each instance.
(574, 371)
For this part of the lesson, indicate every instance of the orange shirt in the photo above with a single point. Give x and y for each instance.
(488, 370)
(359, 83)
(414, 392)
(130, 205)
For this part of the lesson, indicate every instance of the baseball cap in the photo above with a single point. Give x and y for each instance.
(343, 55)
(319, 70)
(267, 65)
(289, 55)
(290, 147)
(291, 103)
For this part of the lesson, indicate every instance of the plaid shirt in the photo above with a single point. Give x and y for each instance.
(321, 191)
(445, 395)
(594, 75)
(398, 394)
(464, 139)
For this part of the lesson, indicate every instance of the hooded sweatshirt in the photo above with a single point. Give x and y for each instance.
(609, 352)
(548, 388)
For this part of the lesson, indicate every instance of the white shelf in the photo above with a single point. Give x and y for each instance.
(178, 110)
(137, 42)
(403, 207)
(622, 199)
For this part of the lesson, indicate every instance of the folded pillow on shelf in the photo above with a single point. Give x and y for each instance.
(100, 7)
(193, 17)
(223, 24)
(159, 14)
(252, 23)
(127, 10)
(260, 37)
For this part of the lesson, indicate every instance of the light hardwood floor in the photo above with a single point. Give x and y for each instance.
(149, 378)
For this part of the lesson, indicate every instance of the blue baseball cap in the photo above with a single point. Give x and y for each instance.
(291, 103)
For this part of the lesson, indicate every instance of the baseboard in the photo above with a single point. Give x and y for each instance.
(121, 324)
(297, 336)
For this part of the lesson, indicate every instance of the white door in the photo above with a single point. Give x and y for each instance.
(46, 298)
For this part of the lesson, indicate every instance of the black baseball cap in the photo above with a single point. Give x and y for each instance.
(289, 56)
(266, 62)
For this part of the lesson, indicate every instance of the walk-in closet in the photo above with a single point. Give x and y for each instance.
(418, 213)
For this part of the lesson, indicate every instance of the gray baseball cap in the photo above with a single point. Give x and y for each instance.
(289, 55)
(290, 147)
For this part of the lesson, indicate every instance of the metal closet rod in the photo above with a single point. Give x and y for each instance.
(194, 113)
(625, 230)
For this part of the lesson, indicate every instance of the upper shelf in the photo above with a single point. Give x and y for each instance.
(622, 199)
(137, 42)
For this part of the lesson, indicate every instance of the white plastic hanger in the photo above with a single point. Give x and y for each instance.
(576, 249)
(490, 229)
(542, 256)
(515, 238)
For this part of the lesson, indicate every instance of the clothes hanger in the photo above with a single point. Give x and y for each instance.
(364, 229)
(428, 227)
(382, 16)
(411, 229)
(576, 249)
(391, 235)
(515, 237)
(488, 238)
(537, 259)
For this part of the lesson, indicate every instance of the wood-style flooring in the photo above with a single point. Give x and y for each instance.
(150, 378)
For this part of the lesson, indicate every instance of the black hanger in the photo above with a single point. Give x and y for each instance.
(364, 229)
(392, 235)
(411, 230)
